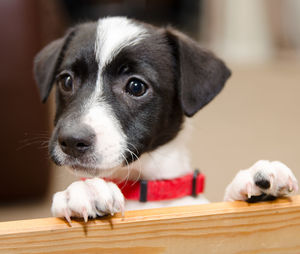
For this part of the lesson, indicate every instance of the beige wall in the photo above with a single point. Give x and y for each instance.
(257, 116)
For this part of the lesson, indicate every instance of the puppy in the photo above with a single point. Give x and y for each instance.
(124, 93)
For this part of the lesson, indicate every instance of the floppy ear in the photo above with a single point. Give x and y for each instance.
(202, 75)
(47, 62)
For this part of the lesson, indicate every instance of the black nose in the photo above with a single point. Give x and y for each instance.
(76, 141)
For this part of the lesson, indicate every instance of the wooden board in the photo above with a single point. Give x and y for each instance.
(237, 227)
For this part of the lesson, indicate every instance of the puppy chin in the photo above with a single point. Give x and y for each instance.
(91, 171)
(82, 171)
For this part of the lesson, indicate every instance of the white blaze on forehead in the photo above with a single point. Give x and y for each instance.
(113, 34)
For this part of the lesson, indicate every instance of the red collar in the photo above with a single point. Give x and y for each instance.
(188, 185)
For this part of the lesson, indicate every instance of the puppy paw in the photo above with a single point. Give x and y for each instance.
(88, 199)
(265, 180)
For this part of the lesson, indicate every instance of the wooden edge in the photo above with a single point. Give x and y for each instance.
(51, 224)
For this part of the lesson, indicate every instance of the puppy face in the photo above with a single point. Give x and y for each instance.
(122, 89)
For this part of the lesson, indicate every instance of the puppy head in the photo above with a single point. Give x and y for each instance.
(122, 89)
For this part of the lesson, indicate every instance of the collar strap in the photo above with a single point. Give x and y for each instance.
(157, 190)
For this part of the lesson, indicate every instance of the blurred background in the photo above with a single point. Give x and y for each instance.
(257, 115)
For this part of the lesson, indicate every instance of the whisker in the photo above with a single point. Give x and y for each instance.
(127, 176)
(138, 160)
(132, 158)
(134, 147)
(42, 144)
(39, 138)
(33, 139)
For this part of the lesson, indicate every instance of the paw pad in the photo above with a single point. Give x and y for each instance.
(262, 181)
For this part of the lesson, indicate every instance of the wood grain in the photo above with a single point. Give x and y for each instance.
(237, 227)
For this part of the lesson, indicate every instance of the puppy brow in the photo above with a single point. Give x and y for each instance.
(80, 67)
(113, 34)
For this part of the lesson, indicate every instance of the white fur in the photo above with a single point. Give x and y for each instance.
(113, 34)
(90, 198)
(166, 162)
(110, 139)
(242, 187)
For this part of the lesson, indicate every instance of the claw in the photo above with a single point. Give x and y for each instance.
(249, 190)
(271, 180)
(85, 215)
(295, 186)
(290, 184)
(67, 217)
(122, 210)
(110, 206)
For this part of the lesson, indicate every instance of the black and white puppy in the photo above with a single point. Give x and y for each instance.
(124, 90)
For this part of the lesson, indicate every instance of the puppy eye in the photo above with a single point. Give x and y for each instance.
(136, 87)
(65, 83)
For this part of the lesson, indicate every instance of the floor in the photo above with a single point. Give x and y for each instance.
(257, 116)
